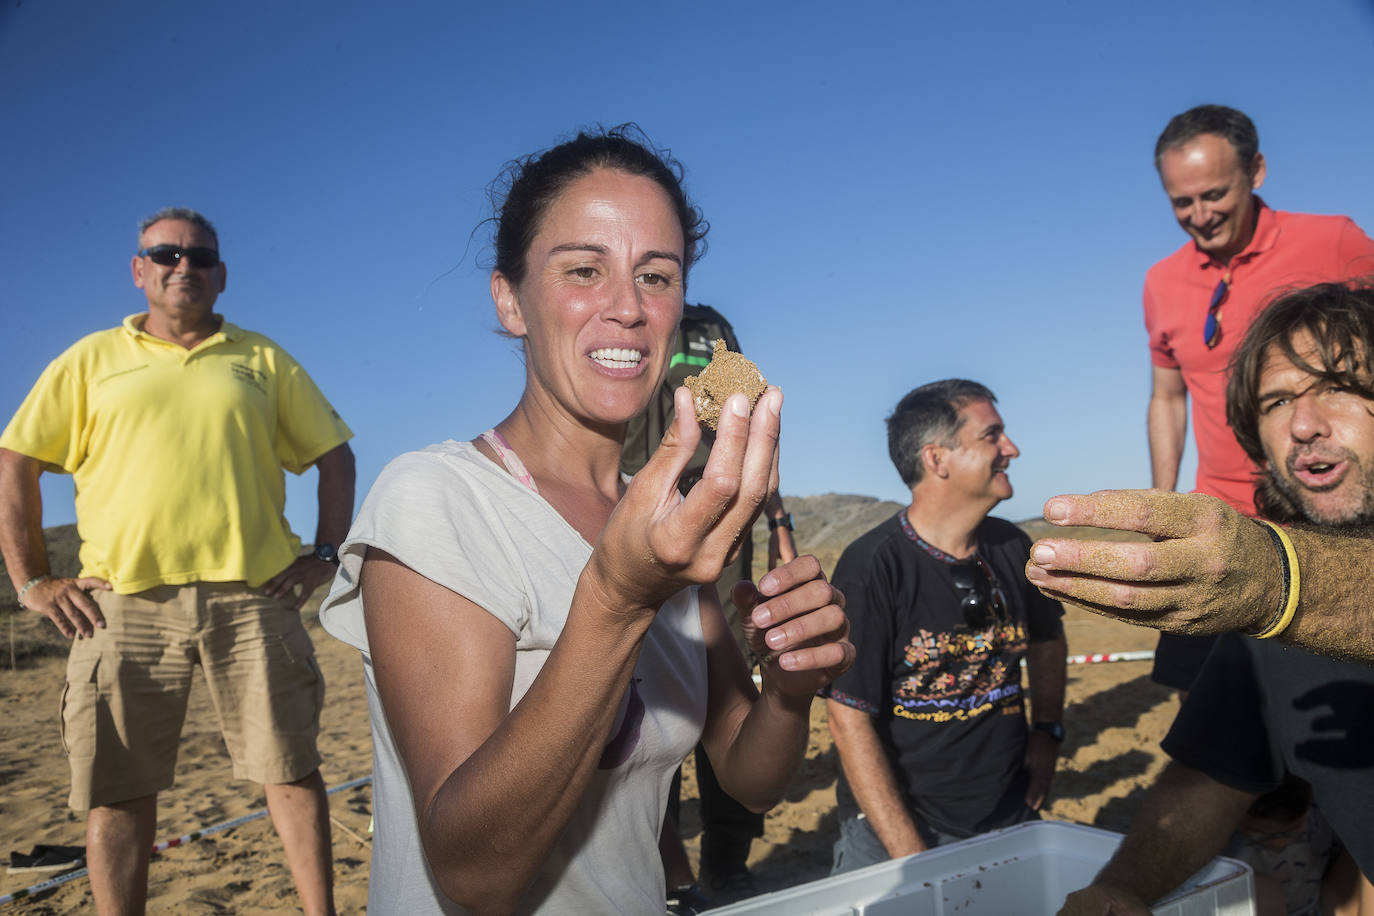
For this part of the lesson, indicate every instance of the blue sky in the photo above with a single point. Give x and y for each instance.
(897, 192)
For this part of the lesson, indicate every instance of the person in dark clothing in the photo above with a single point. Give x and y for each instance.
(930, 721)
(1301, 402)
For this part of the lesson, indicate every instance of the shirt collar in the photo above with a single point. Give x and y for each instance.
(1266, 235)
(921, 542)
(133, 326)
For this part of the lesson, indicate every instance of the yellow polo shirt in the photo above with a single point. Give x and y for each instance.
(177, 454)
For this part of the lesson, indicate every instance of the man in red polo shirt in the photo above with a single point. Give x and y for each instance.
(1200, 300)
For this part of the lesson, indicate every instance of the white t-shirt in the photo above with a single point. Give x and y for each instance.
(455, 517)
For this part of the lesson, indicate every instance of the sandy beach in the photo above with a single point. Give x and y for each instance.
(1115, 719)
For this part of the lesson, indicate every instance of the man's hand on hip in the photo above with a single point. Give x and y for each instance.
(68, 604)
(307, 571)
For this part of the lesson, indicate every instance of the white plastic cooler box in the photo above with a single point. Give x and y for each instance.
(1025, 870)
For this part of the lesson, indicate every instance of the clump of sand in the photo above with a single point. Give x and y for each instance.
(726, 374)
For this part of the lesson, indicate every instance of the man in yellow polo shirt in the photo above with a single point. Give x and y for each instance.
(176, 428)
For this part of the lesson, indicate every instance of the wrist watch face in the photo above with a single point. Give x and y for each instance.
(782, 521)
(327, 552)
(1054, 729)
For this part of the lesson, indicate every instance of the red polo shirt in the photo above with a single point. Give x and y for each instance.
(1288, 251)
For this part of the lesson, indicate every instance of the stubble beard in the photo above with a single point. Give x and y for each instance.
(1358, 515)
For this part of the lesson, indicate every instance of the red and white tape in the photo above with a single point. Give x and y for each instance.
(1144, 655)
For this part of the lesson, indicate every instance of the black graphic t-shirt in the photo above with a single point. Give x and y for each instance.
(1260, 709)
(946, 697)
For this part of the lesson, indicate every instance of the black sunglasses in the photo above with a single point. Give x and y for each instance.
(171, 255)
(1211, 331)
(980, 598)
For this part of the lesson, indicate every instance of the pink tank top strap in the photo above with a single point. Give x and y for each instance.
(512, 461)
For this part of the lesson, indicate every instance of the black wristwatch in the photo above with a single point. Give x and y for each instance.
(1054, 729)
(782, 521)
(327, 552)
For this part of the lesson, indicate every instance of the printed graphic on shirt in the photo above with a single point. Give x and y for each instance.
(961, 675)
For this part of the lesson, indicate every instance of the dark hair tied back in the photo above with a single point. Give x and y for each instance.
(528, 186)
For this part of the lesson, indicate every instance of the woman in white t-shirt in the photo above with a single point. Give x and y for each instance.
(541, 640)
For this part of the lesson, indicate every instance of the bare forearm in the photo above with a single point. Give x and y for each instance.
(1167, 421)
(21, 518)
(335, 493)
(1333, 603)
(491, 824)
(1046, 670)
(1185, 820)
(766, 751)
(870, 778)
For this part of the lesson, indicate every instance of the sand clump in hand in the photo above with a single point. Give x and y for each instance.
(726, 374)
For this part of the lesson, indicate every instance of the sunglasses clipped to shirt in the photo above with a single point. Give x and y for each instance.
(1211, 330)
(979, 598)
(171, 255)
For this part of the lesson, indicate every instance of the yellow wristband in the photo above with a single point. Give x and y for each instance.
(1293, 581)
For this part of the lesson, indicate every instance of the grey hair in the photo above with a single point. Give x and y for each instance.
(183, 214)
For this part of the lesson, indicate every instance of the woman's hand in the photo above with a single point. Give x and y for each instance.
(656, 542)
(796, 626)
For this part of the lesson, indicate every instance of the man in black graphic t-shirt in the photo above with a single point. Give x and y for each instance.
(930, 723)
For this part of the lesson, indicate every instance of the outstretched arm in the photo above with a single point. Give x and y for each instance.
(63, 601)
(1183, 823)
(1208, 570)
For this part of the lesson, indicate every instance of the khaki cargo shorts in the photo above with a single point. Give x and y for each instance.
(127, 686)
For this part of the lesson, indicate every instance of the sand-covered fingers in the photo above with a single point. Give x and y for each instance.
(1137, 561)
(1172, 605)
(1122, 600)
(1217, 571)
(1158, 513)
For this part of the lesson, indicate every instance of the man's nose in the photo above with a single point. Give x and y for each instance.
(1009, 448)
(1199, 215)
(1308, 420)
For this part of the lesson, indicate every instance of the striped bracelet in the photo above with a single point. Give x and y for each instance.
(1292, 582)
